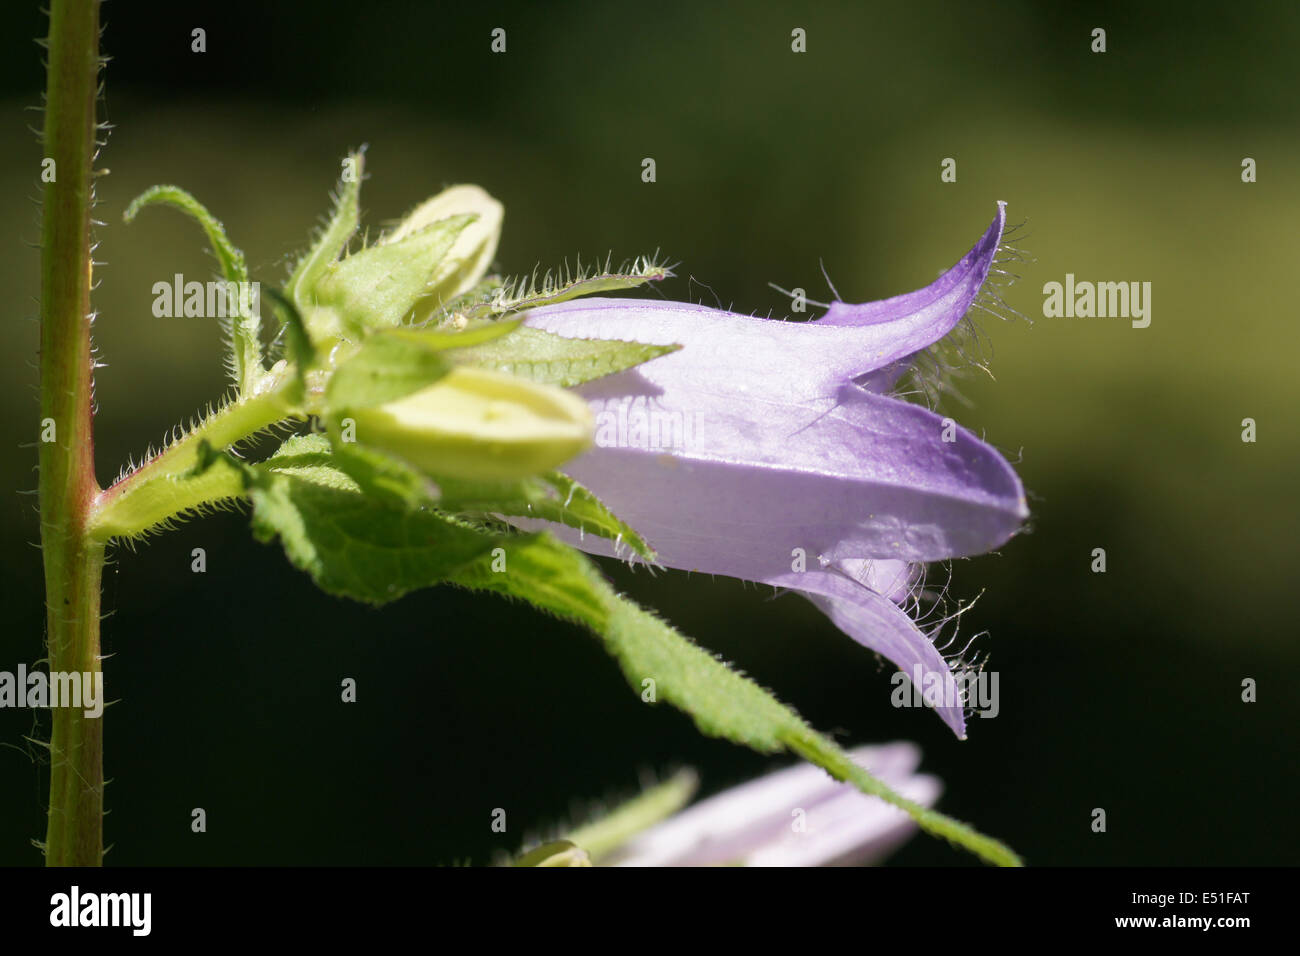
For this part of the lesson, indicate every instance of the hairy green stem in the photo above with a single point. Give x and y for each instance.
(74, 830)
(162, 488)
(73, 564)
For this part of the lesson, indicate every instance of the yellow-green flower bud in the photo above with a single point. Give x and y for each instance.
(470, 255)
(477, 424)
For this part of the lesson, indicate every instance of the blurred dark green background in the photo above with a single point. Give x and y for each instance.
(1119, 691)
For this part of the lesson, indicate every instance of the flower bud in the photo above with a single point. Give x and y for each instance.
(478, 424)
(378, 286)
(470, 255)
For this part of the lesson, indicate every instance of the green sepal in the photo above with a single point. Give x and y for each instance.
(573, 504)
(446, 337)
(476, 304)
(557, 360)
(392, 363)
(531, 292)
(333, 239)
(552, 496)
(385, 368)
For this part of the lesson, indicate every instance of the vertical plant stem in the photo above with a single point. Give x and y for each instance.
(73, 563)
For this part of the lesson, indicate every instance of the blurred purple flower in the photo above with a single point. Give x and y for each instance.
(794, 817)
(771, 451)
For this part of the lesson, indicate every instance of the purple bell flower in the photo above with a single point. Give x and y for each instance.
(772, 451)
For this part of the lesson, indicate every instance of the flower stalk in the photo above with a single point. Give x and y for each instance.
(73, 563)
(161, 488)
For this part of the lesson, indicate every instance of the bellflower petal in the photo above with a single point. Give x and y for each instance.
(954, 290)
(793, 817)
(893, 579)
(869, 477)
(876, 622)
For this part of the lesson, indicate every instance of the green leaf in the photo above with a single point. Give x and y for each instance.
(353, 545)
(557, 579)
(244, 325)
(722, 702)
(299, 452)
(556, 360)
(333, 238)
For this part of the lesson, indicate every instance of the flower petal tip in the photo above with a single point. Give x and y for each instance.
(916, 320)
